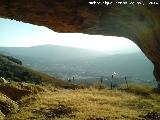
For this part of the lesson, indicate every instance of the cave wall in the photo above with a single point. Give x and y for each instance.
(139, 23)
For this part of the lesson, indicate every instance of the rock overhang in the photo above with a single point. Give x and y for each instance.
(140, 23)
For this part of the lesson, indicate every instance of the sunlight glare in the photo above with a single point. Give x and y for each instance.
(20, 34)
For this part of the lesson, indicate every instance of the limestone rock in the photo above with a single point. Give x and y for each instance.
(139, 23)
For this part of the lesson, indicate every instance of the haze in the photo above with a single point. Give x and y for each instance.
(19, 34)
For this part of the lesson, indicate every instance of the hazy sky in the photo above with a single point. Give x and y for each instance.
(13, 33)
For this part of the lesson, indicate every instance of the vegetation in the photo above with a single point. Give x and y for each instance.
(47, 103)
(51, 98)
(138, 89)
(65, 61)
(11, 70)
(12, 59)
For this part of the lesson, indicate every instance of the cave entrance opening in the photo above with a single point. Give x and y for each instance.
(74, 56)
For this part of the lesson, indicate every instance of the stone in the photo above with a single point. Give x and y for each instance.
(152, 116)
(3, 81)
(138, 22)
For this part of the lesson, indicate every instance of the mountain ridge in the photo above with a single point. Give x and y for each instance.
(58, 59)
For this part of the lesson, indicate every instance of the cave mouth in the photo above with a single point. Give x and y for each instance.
(100, 55)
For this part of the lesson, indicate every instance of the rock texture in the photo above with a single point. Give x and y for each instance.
(140, 23)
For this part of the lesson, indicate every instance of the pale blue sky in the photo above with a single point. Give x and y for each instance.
(19, 34)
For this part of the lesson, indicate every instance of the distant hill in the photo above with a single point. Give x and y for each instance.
(50, 53)
(135, 65)
(12, 68)
(66, 60)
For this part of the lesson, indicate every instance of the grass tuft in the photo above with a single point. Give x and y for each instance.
(83, 104)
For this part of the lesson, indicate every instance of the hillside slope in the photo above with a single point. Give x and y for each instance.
(12, 69)
(135, 65)
(60, 60)
(51, 53)
(87, 104)
(21, 101)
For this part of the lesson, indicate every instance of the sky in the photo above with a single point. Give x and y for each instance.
(19, 34)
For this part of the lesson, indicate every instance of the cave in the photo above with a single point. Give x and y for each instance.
(137, 21)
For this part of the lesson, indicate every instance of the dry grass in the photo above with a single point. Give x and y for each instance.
(7, 106)
(16, 90)
(85, 104)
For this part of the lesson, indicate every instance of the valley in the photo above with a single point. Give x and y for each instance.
(29, 94)
(84, 66)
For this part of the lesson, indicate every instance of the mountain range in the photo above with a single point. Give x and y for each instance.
(66, 61)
